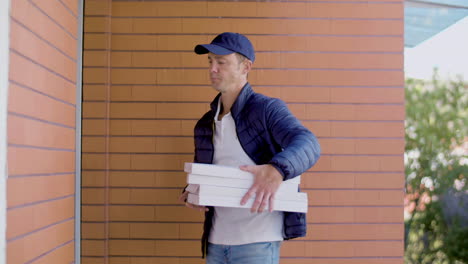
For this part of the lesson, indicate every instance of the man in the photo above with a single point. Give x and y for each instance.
(260, 135)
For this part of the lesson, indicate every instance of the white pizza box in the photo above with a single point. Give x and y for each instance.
(285, 187)
(239, 192)
(228, 201)
(223, 171)
(192, 188)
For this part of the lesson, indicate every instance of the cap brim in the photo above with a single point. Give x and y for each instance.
(215, 49)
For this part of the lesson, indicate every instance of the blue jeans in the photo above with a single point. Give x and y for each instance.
(255, 253)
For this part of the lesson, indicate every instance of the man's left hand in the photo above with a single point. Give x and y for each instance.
(266, 183)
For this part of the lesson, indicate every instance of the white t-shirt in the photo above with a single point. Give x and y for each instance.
(237, 226)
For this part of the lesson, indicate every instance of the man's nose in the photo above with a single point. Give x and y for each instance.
(213, 67)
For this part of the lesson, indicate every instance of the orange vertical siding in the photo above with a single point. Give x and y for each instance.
(338, 65)
(41, 131)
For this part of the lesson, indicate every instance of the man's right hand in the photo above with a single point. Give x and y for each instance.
(183, 198)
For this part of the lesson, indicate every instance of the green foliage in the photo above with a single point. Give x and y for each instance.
(455, 244)
(436, 170)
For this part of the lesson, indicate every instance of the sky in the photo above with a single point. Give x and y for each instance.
(448, 51)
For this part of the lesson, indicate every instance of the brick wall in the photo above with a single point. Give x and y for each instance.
(41, 131)
(338, 65)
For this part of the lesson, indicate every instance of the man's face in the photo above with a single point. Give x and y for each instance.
(226, 72)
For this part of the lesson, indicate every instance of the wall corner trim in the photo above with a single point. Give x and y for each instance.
(79, 90)
(4, 58)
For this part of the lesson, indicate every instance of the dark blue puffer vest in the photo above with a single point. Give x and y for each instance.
(269, 134)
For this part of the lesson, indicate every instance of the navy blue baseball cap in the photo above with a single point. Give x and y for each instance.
(227, 43)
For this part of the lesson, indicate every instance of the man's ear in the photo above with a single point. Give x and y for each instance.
(247, 66)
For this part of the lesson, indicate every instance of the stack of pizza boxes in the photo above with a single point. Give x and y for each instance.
(215, 185)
